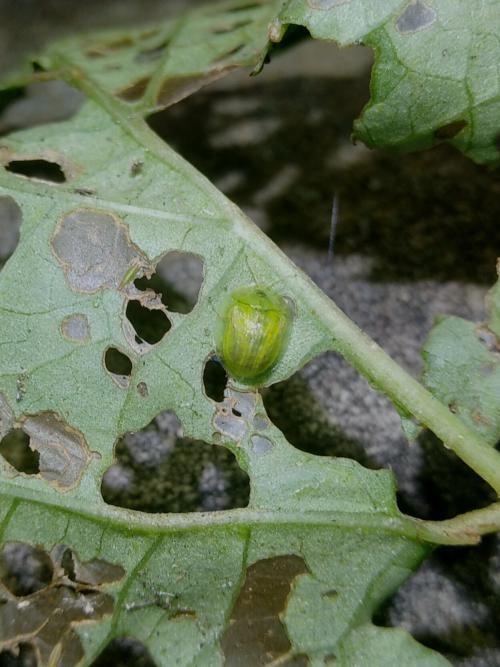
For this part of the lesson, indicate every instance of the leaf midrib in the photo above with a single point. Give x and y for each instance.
(150, 523)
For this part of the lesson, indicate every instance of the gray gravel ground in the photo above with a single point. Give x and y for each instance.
(418, 236)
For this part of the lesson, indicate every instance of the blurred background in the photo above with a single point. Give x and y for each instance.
(418, 235)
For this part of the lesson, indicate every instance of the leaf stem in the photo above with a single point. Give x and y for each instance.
(468, 527)
(406, 392)
(465, 529)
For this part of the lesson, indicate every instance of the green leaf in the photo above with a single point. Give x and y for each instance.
(322, 540)
(155, 66)
(435, 75)
(199, 595)
(462, 368)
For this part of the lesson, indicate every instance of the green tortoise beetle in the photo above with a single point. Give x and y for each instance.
(254, 333)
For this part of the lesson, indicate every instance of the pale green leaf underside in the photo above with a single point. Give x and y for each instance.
(201, 572)
(435, 75)
(462, 368)
(339, 518)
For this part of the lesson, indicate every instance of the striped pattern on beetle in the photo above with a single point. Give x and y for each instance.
(256, 326)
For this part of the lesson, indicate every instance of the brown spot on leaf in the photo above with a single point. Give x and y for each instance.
(261, 445)
(416, 16)
(135, 91)
(63, 451)
(255, 634)
(175, 89)
(450, 130)
(46, 615)
(94, 249)
(47, 165)
(479, 418)
(76, 328)
(136, 168)
(142, 389)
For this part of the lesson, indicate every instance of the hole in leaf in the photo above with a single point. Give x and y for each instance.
(24, 569)
(26, 657)
(10, 223)
(124, 652)
(214, 380)
(7, 97)
(293, 409)
(40, 169)
(39, 103)
(177, 280)
(16, 450)
(159, 470)
(50, 606)
(149, 324)
(50, 447)
(451, 582)
(119, 365)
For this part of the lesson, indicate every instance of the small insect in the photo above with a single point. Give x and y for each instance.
(129, 275)
(254, 334)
